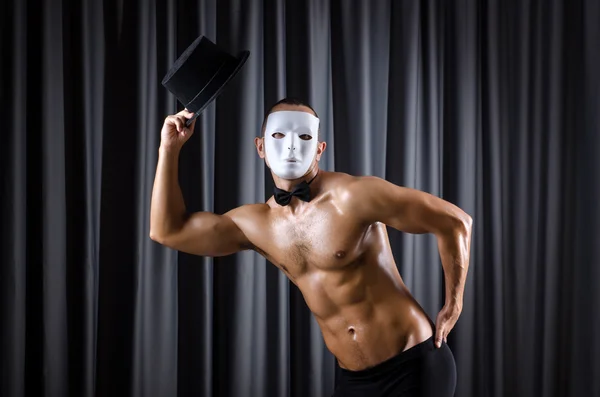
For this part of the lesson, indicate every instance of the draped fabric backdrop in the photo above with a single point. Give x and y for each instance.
(492, 105)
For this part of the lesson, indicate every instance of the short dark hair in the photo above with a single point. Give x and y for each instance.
(290, 101)
(286, 101)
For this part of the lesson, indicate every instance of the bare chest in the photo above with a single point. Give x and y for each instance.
(323, 240)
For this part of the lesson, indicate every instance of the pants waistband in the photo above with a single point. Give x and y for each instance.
(406, 355)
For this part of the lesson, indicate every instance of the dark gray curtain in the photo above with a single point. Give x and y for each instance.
(493, 105)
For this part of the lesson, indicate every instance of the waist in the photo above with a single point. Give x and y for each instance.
(393, 362)
(366, 334)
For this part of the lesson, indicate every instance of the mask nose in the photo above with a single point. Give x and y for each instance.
(291, 144)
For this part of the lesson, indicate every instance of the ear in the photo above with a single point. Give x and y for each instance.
(260, 146)
(320, 149)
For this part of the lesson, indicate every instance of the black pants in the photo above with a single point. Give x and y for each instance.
(421, 371)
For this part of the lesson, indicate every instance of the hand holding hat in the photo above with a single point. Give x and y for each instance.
(201, 73)
(176, 131)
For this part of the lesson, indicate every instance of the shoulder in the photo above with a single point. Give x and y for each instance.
(368, 198)
(339, 181)
(251, 220)
(351, 188)
(248, 212)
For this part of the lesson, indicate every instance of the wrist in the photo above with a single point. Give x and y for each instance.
(169, 149)
(454, 303)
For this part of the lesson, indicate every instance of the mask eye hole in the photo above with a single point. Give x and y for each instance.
(305, 137)
(277, 135)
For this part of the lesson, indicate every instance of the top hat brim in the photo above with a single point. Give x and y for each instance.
(216, 86)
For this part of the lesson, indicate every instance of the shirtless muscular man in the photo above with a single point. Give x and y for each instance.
(327, 232)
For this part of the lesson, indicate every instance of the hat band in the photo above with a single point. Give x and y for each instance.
(207, 83)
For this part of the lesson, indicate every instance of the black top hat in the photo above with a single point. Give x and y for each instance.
(201, 73)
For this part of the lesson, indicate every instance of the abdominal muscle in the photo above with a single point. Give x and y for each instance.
(365, 312)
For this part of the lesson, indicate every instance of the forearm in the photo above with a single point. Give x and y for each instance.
(454, 247)
(167, 209)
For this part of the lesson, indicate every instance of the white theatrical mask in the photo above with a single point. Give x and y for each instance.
(287, 147)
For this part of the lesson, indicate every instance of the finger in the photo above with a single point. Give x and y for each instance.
(183, 119)
(178, 122)
(186, 113)
(191, 121)
(188, 126)
(439, 337)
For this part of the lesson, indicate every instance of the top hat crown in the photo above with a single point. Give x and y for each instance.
(201, 73)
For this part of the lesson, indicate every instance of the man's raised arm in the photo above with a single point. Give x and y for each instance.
(201, 233)
(414, 211)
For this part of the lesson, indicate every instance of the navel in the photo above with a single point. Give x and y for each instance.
(352, 332)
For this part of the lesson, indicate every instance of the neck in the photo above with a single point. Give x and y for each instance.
(289, 184)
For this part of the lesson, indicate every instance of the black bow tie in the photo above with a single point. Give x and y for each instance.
(302, 191)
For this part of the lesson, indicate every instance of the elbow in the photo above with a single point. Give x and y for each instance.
(467, 221)
(164, 229)
(153, 236)
(457, 224)
(161, 232)
(463, 225)
(161, 238)
(157, 237)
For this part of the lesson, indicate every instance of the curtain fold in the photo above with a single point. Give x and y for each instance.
(13, 196)
(492, 105)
